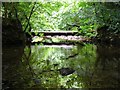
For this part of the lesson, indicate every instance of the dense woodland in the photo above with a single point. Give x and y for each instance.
(97, 20)
(90, 64)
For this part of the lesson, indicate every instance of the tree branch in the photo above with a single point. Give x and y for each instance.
(28, 19)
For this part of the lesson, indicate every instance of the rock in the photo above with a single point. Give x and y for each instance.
(66, 71)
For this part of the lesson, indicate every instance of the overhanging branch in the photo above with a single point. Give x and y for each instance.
(28, 19)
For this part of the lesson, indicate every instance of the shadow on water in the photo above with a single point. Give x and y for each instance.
(89, 66)
(107, 66)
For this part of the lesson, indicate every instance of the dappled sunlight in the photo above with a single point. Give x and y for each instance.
(60, 44)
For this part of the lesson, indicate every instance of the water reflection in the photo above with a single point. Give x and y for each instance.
(11, 60)
(88, 66)
(107, 70)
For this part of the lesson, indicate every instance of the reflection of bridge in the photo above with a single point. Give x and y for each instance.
(54, 33)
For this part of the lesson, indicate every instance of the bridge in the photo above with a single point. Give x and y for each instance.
(65, 37)
(54, 33)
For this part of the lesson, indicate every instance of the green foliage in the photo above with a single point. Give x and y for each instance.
(44, 17)
(76, 16)
(83, 17)
(19, 11)
(108, 14)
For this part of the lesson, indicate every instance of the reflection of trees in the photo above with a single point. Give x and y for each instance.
(30, 77)
(40, 66)
(11, 62)
(44, 66)
(48, 62)
(85, 65)
(17, 68)
(26, 58)
(107, 69)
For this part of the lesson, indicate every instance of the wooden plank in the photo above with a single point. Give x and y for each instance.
(53, 33)
(56, 31)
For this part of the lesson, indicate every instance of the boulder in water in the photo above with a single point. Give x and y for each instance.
(66, 71)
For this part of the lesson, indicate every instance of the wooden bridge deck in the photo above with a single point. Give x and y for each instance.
(53, 33)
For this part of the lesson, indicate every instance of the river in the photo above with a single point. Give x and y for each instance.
(61, 66)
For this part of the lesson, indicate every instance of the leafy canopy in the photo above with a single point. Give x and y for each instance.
(74, 15)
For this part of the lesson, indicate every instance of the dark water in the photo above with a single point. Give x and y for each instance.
(89, 66)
